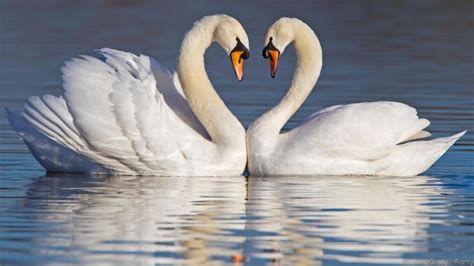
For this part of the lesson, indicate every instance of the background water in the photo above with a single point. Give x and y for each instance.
(417, 52)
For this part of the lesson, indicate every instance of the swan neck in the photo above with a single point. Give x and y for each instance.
(309, 64)
(222, 126)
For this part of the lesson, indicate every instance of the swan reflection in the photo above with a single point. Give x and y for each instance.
(376, 219)
(143, 219)
(289, 220)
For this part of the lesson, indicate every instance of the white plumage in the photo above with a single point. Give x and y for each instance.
(120, 120)
(372, 138)
(127, 114)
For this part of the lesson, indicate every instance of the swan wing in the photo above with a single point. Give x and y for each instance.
(46, 140)
(167, 84)
(48, 129)
(363, 131)
(119, 107)
(124, 113)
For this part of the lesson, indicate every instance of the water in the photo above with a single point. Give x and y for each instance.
(74, 219)
(420, 53)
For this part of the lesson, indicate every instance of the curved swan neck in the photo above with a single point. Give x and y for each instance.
(220, 123)
(309, 64)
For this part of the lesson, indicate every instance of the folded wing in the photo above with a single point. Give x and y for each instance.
(361, 131)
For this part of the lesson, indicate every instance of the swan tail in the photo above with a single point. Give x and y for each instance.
(413, 158)
(53, 156)
(420, 135)
(415, 130)
(47, 127)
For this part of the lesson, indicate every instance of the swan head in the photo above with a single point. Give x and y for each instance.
(232, 37)
(279, 35)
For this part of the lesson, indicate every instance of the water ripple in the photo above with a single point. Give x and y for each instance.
(292, 220)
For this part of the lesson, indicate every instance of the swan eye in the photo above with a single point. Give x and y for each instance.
(240, 47)
(269, 47)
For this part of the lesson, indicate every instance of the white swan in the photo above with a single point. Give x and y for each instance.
(128, 115)
(354, 139)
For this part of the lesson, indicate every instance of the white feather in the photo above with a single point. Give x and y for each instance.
(370, 138)
(127, 114)
(115, 113)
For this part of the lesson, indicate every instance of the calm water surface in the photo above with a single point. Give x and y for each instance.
(420, 53)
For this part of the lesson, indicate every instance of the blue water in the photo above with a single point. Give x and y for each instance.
(420, 53)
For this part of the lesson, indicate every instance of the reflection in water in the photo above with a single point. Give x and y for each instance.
(377, 219)
(148, 219)
(293, 220)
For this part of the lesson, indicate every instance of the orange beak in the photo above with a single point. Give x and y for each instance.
(238, 64)
(273, 56)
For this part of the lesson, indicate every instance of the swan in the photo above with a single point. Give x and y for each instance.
(128, 115)
(368, 138)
